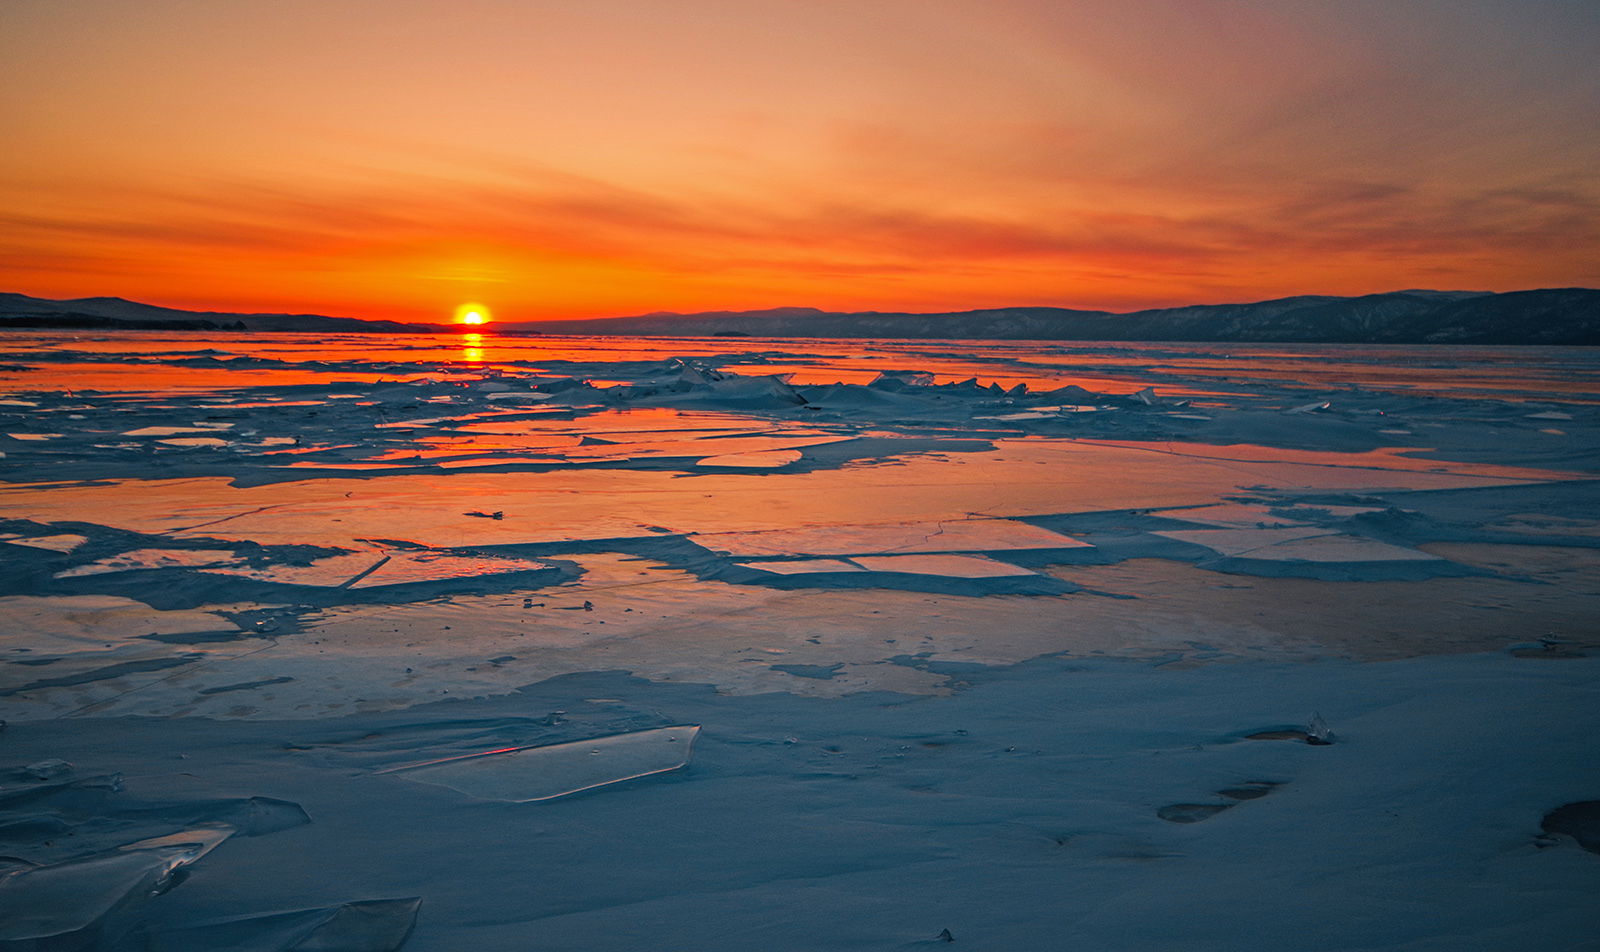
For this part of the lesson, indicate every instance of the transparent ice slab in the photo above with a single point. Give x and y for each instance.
(527, 774)
(78, 904)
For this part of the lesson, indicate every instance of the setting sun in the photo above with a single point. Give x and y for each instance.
(472, 313)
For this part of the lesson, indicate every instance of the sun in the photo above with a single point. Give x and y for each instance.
(472, 313)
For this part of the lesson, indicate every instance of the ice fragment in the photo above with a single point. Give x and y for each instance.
(47, 769)
(84, 903)
(526, 774)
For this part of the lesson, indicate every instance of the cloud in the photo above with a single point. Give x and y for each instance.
(542, 234)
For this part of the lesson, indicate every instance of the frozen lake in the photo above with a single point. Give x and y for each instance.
(796, 644)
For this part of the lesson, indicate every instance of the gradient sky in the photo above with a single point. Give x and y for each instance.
(575, 158)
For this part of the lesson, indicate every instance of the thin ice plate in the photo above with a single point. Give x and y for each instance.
(527, 774)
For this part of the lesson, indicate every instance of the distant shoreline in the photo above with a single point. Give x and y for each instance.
(1550, 316)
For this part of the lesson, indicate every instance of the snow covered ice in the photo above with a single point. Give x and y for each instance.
(1028, 642)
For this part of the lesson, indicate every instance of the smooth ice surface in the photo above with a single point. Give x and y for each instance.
(950, 566)
(804, 566)
(770, 459)
(55, 543)
(525, 774)
(333, 571)
(404, 568)
(1307, 544)
(151, 559)
(1231, 515)
(376, 568)
(953, 536)
(77, 623)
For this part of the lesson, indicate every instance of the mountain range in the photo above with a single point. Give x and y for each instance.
(1546, 316)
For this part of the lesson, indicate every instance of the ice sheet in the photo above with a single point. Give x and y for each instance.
(886, 724)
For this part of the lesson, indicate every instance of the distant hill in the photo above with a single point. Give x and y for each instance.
(113, 313)
(1551, 316)
(1548, 316)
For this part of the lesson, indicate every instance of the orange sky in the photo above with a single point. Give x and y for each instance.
(557, 158)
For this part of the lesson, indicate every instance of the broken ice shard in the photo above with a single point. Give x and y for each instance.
(526, 774)
(199, 839)
(1317, 731)
(48, 769)
(86, 903)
